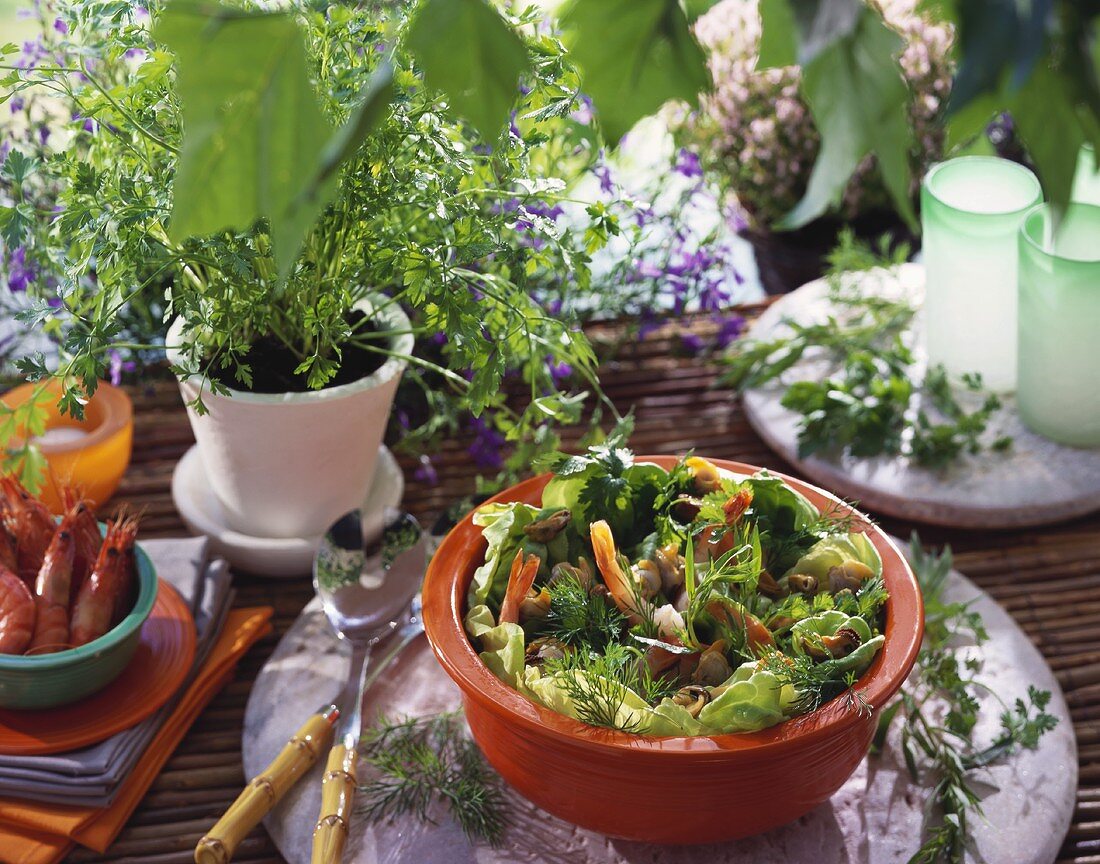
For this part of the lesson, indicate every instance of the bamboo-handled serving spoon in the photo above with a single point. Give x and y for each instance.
(363, 596)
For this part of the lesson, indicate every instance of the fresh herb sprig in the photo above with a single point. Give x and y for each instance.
(871, 403)
(942, 748)
(580, 617)
(415, 762)
(597, 683)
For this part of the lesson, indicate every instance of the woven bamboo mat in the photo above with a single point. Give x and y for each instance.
(1049, 579)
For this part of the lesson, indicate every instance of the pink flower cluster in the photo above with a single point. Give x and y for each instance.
(757, 134)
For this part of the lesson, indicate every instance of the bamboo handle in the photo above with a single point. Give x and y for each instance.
(265, 790)
(337, 793)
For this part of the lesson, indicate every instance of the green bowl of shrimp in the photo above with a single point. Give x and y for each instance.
(49, 680)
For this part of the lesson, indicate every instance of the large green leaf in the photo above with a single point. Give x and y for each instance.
(465, 49)
(1000, 41)
(634, 56)
(858, 99)
(255, 141)
(796, 31)
(1049, 123)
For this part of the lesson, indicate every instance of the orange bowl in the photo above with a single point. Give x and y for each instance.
(666, 790)
(92, 463)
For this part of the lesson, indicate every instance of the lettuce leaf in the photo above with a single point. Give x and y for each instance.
(752, 700)
(826, 624)
(502, 645)
(502, 526)
(834, 551)
(783, 509)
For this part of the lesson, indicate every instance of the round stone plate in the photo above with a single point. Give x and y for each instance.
(1035, 482)
(875, 818)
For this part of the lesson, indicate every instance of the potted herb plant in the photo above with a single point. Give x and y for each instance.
(758, 138)
(289, 372)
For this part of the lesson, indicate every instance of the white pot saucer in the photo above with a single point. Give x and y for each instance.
(279, 557)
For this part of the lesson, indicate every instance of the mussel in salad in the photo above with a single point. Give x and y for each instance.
(675, 602)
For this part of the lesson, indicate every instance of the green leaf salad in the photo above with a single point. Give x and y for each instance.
(680, 602)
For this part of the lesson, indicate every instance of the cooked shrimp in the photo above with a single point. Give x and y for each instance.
(106, 587)
(623, 593)
(736, 506)
(9, 556)
(757, 636)
(30, 522)
(16, 613)
(51, 594)
(85, 530)
(520, 580)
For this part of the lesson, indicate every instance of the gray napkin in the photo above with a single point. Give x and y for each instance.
(91, 776)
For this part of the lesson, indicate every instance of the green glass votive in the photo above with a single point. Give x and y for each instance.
(1086, 179)
(970, 213)
(1059, 324)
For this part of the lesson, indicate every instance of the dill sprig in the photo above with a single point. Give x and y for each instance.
(597, 682)
(580, 617)
(943, 749)
(414, 762)
(739, 567)
(815, 683)
(866, 603)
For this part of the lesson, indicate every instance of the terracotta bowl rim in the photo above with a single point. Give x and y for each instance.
(444, 597)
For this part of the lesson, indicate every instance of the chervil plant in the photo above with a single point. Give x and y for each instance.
(468, 236)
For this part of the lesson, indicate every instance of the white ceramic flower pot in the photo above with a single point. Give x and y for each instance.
(288, 464)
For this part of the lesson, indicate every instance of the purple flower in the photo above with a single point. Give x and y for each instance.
(649, 322)
(60, 26)
(486, 446)
(644, 270)
(730, 328)
(18, 103)
(425, 472)
(687, 164)
(583, 114)
(603, 174)
(114, 367)
(560, 372)
(43, 134)
(133, 53)
(33, 51)
(5, 149)
(20, 273)
(692, 343)
(513, 128)
(439, 338)
(541, 208)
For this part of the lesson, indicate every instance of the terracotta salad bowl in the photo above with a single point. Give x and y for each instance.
(667, 790)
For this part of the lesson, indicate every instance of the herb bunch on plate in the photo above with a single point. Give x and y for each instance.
(871, 401)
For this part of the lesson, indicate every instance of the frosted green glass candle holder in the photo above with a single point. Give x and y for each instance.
(1059, 324)
(1086, 178)
(971, 209)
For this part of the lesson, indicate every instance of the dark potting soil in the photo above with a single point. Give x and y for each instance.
(273, 365)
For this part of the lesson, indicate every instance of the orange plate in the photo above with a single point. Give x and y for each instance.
(163, 658)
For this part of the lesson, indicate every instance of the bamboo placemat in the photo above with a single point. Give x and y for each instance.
(1049, 579)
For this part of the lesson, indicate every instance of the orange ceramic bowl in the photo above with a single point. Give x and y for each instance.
(665, 790)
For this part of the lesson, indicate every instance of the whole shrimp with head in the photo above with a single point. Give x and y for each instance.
(51, 592)
(99, 603)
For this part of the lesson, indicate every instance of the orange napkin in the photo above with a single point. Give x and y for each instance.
(37, 833)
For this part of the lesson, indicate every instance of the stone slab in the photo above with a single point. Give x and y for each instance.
(1036, 482)
(875, 818)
